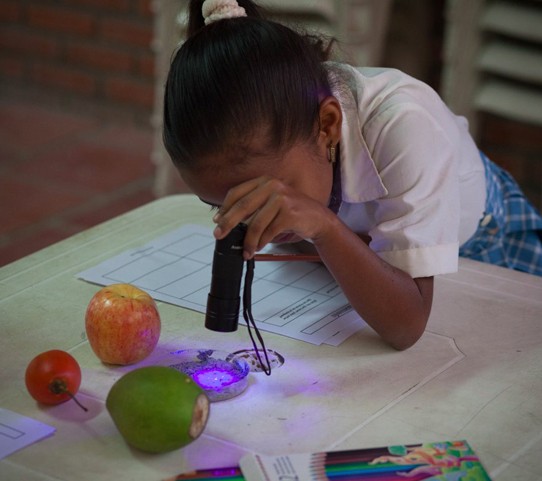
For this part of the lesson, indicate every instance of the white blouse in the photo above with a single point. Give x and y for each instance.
(411, 176)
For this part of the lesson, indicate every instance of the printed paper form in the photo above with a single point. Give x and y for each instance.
(17, 432)
(296, 299)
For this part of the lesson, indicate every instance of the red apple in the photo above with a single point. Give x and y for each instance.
(122, 324)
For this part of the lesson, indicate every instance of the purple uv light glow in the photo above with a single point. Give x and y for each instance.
(217, 378)
(220, 378)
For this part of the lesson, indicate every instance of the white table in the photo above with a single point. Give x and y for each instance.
(476, 374)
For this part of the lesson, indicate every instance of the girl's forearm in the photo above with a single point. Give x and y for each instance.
(396, 306)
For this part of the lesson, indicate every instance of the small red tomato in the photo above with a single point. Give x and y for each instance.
(53, 377)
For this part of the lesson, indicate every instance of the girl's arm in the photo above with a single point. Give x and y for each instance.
(389, 300)
(396, 306)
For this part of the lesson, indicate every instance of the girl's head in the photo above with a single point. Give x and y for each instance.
(241, 89)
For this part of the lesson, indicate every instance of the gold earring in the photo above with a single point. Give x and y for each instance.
(331, 153)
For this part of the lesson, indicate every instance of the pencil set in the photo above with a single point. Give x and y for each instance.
(454, 460)
(415, 462)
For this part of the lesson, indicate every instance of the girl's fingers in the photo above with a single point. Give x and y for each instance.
(241, 203)
(281, 215)
(270, 208)
(237, 193)
(263, 222)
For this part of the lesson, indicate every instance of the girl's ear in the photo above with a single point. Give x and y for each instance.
(330, 121)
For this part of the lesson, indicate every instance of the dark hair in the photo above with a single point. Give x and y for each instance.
(237, 77)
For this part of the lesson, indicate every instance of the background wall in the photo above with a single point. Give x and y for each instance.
(96, 55)
(91, 54)
(415, 45)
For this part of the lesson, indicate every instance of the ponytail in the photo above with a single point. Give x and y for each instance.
(196, 20)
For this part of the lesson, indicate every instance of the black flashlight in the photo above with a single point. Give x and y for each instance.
(224, 300)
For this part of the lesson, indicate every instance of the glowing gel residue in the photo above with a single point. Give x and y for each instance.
(220, 378)
(214, 378)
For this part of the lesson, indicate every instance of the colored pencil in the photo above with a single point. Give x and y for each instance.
(225, 474)
(287, 257)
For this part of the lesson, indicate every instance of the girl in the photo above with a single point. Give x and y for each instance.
(366, 164)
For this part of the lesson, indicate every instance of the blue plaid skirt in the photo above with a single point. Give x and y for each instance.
(510, 233)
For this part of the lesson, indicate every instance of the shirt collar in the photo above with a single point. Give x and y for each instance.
(360, 180)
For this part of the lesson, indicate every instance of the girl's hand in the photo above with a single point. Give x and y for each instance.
(273, 211)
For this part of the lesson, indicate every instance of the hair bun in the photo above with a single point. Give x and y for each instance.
(213, 10)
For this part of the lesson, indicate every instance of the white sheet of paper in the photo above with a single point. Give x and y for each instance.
(256, 467)
(18, 431)
(296, 299)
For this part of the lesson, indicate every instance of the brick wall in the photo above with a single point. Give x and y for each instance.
(96, 52)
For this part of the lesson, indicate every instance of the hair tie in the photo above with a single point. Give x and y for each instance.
(214, 10)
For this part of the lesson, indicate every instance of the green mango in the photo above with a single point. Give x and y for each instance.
(158, 409)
